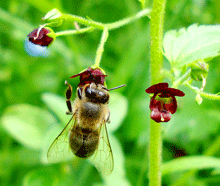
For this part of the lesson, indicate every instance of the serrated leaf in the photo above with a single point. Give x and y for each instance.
(27, 124)
(118, 107)
(186, 46)
(190, 163)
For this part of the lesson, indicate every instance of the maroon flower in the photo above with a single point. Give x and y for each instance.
(40, 37)
(163, 101)
(91, 75)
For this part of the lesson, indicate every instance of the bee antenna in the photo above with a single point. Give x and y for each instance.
(116, 87)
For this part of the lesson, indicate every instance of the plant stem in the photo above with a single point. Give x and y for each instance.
(182, 79)
(203, 94)
(83, 21)
(157, 19)
(101, 48)
(110, 26)
(128, 20)
(71, 32)
(156, 66)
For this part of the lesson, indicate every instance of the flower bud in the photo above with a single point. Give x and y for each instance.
(38, 41)
(199, 70)
(53, 18)
(41, 37)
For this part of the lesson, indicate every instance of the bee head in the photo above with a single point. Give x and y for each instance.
(96, 93)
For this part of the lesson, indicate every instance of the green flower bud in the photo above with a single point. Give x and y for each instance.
(199, 70)
(54, 17)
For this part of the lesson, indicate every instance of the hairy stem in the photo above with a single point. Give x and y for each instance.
(128, 20)
(101, 48)
(203, 94)
(71, 32)
(156, 66)
(110, 26)
(182, 79)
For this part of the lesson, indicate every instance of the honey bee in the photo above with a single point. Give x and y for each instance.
(85, 135)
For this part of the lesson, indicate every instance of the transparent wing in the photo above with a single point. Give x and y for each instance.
(103, 158)
(59, 149)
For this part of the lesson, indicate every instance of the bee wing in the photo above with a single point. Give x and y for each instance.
(59, 149)
(103, 158)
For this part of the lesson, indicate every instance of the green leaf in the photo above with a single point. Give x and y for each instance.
(57, 104)
(190, 163)
(27, 124)
(118, 106)
(186, 46)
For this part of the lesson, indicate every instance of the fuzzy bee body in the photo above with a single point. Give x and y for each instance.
(90, 114)
(85, 134)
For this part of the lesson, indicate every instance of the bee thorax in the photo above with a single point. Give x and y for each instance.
(90, 110)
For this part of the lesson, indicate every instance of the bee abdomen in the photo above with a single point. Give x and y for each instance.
(83, 142)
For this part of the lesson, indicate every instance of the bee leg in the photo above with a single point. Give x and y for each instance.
(68, 96)
(79, 91)
(108, 118)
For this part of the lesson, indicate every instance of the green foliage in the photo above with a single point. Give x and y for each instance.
(190, 163)
(186, 46)
(29, 130)
(33, 107)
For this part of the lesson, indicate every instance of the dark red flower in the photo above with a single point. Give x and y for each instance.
(40, 37)
(163, 103)
(91, 75)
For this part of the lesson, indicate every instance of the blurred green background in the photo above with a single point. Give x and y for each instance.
(33, 107)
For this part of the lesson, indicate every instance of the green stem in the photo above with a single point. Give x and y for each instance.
(182, 79)
(71, 32)
(110, 26)
(155, 154)
(100, 48)
(128, 20)
(203, 94)
(83, 21)
(155, 151)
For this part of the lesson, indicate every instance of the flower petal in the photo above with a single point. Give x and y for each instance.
(91, 75)
(157, 88)
(40, 38)
(155, 103)
(174, 92)
(160, 116)
(172, 106)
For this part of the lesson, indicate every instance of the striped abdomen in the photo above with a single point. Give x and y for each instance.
(83, 142)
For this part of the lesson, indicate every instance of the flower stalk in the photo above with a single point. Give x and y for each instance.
(72, 32)
(203, 94)
(156, 66)
(101, 48)
(98, 25)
